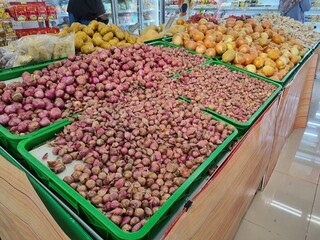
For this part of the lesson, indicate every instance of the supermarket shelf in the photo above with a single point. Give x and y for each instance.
(128, 11)
(175, 7)
(126, 24)
(148, 21)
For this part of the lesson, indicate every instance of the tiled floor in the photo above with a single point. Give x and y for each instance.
(289, 207)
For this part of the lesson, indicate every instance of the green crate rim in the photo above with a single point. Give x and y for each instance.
(239, 125)
(102, 220)
(14, 72)
(4, 132)
(164, 39)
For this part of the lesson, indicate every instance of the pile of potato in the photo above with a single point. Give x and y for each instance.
(98, 35)
(153, 32)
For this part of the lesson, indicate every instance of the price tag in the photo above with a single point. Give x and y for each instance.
(133, 28)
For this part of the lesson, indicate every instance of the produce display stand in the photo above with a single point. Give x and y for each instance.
(293, 108)
(88, 212)
(217, 209)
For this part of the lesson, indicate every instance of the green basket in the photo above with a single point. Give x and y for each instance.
(65, 221)
(10, 73)
(92, 215)
(242, 127)
(165, 39)
(10, 141)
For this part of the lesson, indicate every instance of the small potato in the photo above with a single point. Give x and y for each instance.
(88, 31)
(87, 48)
(89, 39)
(114, 28)
(105, 45)
(78, 43)
(131, 39)
(100, 26)
(81, 35)
(105, 30)
(93, 24)
(76, 27)
(114, 41)
(97, 41)
(63, 32)
(107, 37)
(96, 34)
(119, 34)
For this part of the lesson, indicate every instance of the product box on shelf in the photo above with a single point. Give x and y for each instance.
(32, 12)
(51, 13)
(91, 214)
(42, 13)
(20, 13)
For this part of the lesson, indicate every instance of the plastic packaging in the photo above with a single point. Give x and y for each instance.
(6, 57)
(36, 49)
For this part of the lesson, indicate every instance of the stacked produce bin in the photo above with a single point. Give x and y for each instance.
(132, 130)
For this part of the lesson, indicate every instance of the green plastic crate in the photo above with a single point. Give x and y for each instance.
(65, 221)
(10, 141)
(165, 39)
(102, 225)
(242, 127)
(10, 73)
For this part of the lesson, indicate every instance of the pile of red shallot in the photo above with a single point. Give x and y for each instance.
(229, 93)
(67, 87)
(135, 153)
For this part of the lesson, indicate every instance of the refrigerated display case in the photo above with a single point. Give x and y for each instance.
(150, 12)
(124, 13)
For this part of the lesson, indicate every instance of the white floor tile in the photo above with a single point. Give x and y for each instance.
(314, 227)
(299, 156)
(251, 231)
(283, 207)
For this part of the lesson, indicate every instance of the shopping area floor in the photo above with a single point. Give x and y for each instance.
(289, 206)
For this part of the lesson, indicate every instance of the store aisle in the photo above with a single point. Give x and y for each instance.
(289, 207)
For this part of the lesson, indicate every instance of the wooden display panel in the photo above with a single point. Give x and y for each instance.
(293, 109)
(305, 99)
(23, 215)
(217, 211)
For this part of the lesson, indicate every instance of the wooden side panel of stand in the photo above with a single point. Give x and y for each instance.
(217, 211)
(304, 104)
(23, 215)
(287, 112)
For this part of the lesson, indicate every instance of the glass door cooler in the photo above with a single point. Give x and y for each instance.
(127, 13)
(150, 13)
